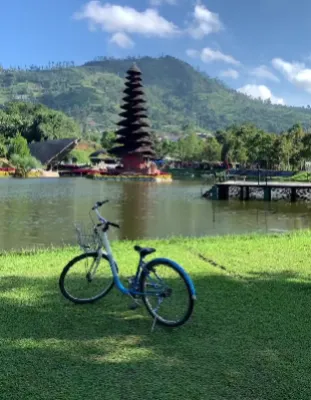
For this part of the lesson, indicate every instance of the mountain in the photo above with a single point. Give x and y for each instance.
(178, 95)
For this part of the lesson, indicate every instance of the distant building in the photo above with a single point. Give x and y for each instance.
(52, 152)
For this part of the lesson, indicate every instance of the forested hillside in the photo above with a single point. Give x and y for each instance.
(178, 95)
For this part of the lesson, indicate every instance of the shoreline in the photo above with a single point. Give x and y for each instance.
(171, 241)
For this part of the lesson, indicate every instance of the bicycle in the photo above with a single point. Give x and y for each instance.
(141, 285)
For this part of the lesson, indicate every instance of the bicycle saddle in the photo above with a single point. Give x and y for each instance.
(144, 251)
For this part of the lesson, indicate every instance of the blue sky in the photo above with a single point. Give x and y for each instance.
(260, 47)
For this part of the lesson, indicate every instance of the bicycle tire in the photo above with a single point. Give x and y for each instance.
(182, 275)
(71, 264)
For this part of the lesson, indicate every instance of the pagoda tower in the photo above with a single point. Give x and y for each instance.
(133, 144)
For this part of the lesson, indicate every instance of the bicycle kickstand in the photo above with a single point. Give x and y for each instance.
(154, 324)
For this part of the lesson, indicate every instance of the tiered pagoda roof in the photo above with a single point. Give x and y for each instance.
(133, 135)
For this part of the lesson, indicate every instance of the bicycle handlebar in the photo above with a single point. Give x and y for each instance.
(99, 204)
(114, 225)
(102, 219)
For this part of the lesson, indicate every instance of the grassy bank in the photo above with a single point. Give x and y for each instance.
(249, 337)
(300, 177)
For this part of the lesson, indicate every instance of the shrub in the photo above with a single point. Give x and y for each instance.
(82, 157)
(24, 164)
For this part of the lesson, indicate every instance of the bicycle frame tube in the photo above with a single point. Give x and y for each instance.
(115, 273)
(112, 263)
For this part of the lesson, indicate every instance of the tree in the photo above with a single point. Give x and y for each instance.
(266, 149)
(295, 136)
(36, 122)
(164, 148)
(212, 150)
(3, 148)
(307, 147)
(108, 139)
(190, 148)
(18, 146)
(282, 151)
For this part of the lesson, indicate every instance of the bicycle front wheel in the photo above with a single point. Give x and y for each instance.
(166, 293)
(85, 279)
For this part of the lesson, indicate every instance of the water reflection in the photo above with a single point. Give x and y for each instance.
(41, 212)
(134, 210)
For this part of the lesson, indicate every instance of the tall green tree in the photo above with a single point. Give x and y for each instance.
(36, 122)
(212, 150)
(296, 136)
(107, 139)
(3, 147)
(18, 146)
(190, 148)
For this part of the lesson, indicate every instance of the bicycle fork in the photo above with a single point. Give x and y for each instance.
(93, 268)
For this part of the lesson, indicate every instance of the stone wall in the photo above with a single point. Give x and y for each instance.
(276, 193)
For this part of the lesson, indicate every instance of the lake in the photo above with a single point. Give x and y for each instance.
(41, 212)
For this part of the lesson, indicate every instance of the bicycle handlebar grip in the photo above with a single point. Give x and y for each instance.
(115, 225)
(99, 204)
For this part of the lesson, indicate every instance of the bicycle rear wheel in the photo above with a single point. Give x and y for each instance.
(77, 282)
(166, 293)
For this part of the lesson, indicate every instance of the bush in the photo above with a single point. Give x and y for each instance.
(24, 164)
(81, 156)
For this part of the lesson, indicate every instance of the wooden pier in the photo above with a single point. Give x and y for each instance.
(244, 186)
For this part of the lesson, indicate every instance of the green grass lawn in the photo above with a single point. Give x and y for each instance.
(249, 337)
(300, 177)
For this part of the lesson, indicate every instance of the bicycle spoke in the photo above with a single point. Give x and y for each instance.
(166, 294)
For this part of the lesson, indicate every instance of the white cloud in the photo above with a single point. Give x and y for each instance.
(124, 19)
(157, 3)
(192, 53)
(209, 55)
(204, 22)
(122, 40)
(262, 92)
(296, 73)
(263, 72)
(230, 73)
